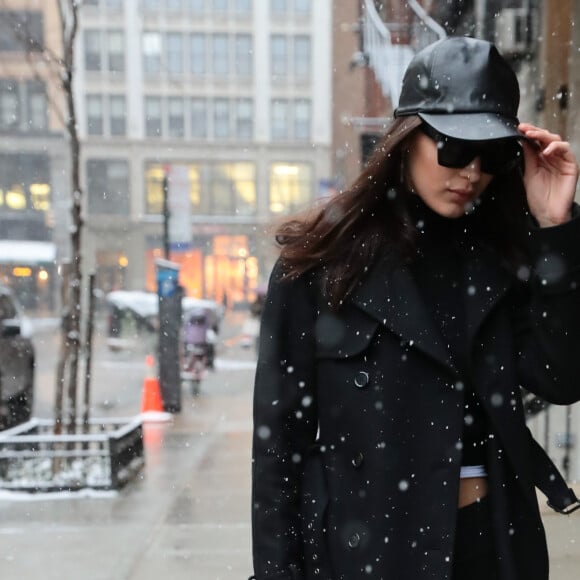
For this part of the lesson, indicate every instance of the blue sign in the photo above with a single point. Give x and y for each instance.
(167, 278)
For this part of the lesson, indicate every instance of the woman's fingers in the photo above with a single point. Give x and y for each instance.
(552, 148)
(561, 148)
(542, 137)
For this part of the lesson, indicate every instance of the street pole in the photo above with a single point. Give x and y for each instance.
(480, 19)
(166, 215)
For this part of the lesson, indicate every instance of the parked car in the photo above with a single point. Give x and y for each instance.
(16, 362)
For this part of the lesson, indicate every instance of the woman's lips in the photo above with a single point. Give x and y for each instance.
(462, 192)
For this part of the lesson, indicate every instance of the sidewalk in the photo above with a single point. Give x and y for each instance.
(188, 516)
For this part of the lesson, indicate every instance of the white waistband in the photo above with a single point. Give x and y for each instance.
(472, 471)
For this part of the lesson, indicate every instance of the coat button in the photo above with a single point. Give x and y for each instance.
(358, 459)
(354, 541)
(361, 379)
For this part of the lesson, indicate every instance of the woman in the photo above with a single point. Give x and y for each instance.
(401, 321)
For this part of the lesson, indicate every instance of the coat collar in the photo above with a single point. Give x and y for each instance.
(391, 296)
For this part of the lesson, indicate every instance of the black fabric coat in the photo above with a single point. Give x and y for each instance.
(358, 417)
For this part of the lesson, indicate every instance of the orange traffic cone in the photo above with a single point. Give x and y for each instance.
(151, 400)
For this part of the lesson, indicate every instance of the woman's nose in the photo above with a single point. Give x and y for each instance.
(472, 171)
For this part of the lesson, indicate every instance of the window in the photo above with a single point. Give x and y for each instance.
(279, 7)
(220, 6)
(118, 115)
(244, 55)
(94, 115)
(290, 187)
(37, 106)
(40, 196)
(9, 105)
(152, 53)
(302, 57)
(114, 5)
(221, 119)
(198, 118)
(21, 31)
(221, 55)
(302, 119)
(302, 7)
(176, 125)
(115, 51)
(93, 50)
(198, 178)
(244, 119)
(215, 189)
(197, 6)
(23, 105)
(108, 186)
(154, 175)
(24, 184)
(279, 56)
(198, 54)
(175, 53)
(151, 5)
(233, 189)
(153, 125)
(174, 6)
(279, 120)
(243, 7)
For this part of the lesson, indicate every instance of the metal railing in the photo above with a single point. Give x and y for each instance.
(388, 59)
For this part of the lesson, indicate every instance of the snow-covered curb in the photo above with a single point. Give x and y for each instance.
(7, 495)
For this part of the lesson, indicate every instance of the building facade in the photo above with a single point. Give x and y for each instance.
(33, 152)
(223, 105)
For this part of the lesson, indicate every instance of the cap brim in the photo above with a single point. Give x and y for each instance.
(473, 126)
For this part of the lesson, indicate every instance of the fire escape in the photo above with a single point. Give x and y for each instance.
(389, 59)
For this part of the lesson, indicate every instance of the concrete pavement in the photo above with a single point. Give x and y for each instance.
(187, 517)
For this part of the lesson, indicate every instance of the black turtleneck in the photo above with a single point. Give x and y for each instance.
(444, 246)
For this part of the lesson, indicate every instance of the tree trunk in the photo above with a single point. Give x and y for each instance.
(62, 352)
(88, 354)
(72, 322)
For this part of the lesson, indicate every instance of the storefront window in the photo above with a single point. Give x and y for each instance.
(290, 187)
(24, 182)
(15, 197)
(196, 179)
(215, 189)
(40, 196)
(154, 174)
(233, 189)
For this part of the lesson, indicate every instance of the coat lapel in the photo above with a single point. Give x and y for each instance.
(390, 295)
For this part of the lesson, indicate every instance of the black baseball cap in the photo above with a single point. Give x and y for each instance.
(463, 88)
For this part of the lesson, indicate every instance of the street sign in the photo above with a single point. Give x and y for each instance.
(167, 277)
(179, 203)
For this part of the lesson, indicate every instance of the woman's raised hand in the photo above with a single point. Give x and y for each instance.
(551, 176)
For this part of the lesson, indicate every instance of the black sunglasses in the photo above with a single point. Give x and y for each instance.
(497, 157)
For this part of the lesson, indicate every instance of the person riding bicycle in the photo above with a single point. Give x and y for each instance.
(198, 333)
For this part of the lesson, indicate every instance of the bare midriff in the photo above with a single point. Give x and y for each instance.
(471, 489)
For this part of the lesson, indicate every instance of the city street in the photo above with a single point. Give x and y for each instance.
(188, 515)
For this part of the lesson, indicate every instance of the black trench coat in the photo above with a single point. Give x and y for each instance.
(358, 418)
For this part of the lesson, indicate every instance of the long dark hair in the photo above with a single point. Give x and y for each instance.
(368, 221)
